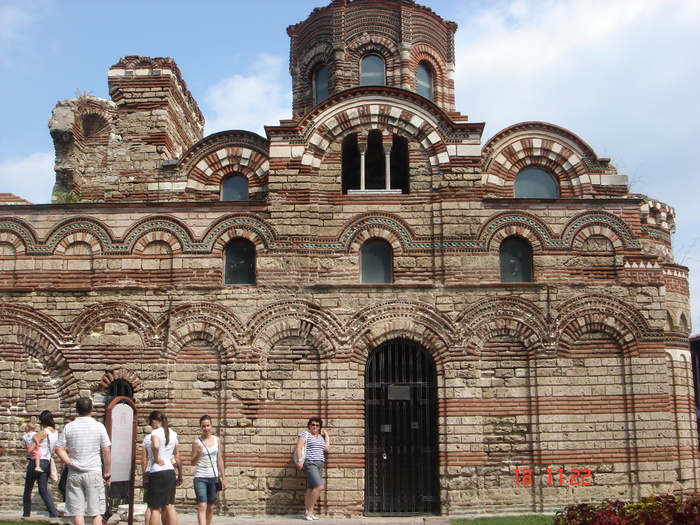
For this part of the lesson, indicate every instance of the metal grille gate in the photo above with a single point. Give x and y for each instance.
(401, 429)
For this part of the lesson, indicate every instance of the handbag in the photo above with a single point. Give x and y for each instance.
(53, 472)
(295, 457)
(217, 484)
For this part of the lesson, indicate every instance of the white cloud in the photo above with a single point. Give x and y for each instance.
(14, 21)
(29, 177)
(250, 102)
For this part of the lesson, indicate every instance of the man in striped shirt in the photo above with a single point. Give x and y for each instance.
(84, 447)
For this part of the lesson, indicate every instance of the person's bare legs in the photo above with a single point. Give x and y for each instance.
(210, 513)
(155, 517)
(171, 514)
(311, 498)
(78, 520)
(97, 520)
(202, 513)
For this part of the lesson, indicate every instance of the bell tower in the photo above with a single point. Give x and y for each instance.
(351, 43)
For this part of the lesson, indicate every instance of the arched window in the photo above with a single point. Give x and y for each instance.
(425, 81)
(516, 260)
(535, 183)
(119, 388)
(372, 71)
(372, 165)
(239, 262)
(320, 82)
(234, 188)
(376, 262)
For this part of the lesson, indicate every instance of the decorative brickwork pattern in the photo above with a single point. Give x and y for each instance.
(122, 280)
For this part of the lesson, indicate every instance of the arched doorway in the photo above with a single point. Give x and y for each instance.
(401, 444)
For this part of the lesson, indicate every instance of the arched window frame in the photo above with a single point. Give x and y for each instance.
(320, 83)
(370, 164)
(376, 262)
(534, 182)
(425, 80)
(371, 71)
(234, 188)
(240, 262)
(515, 260)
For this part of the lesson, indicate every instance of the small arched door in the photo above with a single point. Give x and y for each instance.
(401, 447)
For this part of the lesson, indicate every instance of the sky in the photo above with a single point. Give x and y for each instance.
(623, 75)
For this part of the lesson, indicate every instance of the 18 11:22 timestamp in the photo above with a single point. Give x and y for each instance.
(560, 476)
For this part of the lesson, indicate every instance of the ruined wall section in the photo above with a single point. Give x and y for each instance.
(117, 150)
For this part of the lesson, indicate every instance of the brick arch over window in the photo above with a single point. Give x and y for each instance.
(217, 156)
(529, 227)
(381, 46)
(244, 226)
(578, 170)
(348, 113)
(319, 55)
(122, 374)
(383, 226)
(443, 93)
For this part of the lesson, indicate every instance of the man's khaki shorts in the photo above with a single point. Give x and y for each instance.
(85, 494)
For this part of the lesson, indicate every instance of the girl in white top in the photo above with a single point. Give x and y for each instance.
(209, 467)
(163, 458)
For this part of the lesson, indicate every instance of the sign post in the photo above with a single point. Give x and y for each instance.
(122, 426)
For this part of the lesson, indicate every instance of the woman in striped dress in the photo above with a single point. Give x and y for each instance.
(315, 443)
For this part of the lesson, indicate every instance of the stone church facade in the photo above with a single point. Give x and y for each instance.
(491, 326)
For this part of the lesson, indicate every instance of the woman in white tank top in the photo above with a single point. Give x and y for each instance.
(208, 460)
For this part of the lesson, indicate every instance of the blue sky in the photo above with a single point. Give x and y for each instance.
(623, 75)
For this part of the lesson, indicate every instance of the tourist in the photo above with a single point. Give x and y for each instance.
(84, 447)
(209, 476)
(163, 459)
(311, 448)
(45, 440)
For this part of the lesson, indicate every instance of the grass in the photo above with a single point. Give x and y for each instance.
(507, 520)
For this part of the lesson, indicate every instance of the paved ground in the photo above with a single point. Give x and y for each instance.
(191, 519)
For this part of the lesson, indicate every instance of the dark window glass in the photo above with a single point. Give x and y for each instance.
(377, 261)
(535, 183)
(372, 71)
(375, 162)
(399, 164)
(320, 84)
(351, 163)
(239, 262)
(516, 260)
(234, 188)
(425, 81)
(119, 388)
